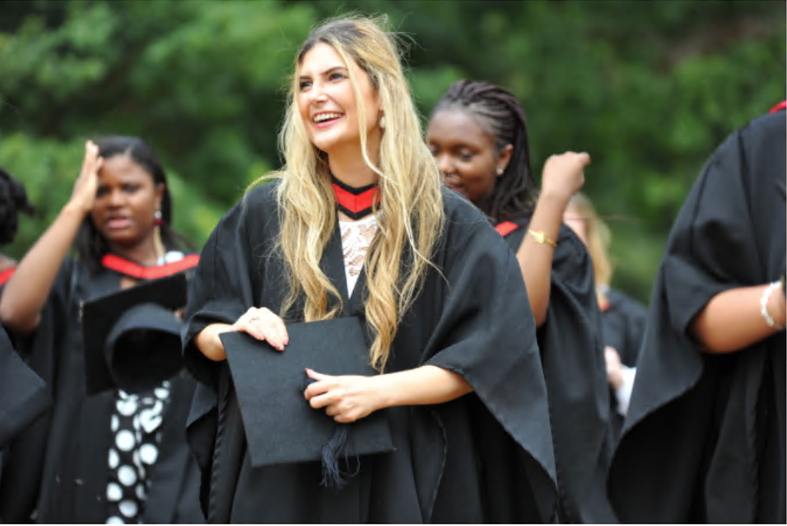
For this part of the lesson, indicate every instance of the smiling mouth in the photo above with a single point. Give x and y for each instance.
(326, 119)
(453, 184)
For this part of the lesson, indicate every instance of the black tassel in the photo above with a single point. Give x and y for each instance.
(331, 474)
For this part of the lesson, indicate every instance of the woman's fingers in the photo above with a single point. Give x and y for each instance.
(319, 389)
(263, 325)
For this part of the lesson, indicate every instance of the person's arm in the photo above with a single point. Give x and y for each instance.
(259, 323)
(348, 398)
(563, 176)
(620, 378)
(732, 320)
(28, 289)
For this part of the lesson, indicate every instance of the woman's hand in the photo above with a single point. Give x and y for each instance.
(564, 174)
(259, 323)
(84, 193)
(345, 398)
(264, 325)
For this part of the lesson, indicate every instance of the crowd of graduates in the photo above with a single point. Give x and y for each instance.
(398, 325)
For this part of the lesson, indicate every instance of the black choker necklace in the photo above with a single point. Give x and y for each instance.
(356, 203)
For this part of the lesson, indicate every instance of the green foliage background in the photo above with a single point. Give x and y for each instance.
(647, 88)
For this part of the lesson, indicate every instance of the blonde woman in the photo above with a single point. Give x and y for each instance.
(458, 376)
(624, 318)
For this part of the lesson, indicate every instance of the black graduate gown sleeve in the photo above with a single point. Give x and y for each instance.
(472, 317)
(23, 394)
(486, 333)
(220, 291)
(704, 436)
(572, 354)
(24, 459)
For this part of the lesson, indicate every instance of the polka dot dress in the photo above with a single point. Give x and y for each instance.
(135, 425)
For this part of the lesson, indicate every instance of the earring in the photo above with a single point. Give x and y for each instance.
(157, 217)
(499, 171)
(382, 122)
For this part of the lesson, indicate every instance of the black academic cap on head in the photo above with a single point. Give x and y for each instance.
(132, 337)
(281, 426)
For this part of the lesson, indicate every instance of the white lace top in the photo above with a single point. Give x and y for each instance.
(356, 238)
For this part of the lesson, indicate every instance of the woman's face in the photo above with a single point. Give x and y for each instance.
(327, 103)
(126, 201)
(574, 220)
(465, 153)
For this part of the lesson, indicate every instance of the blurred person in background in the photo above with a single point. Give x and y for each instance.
(23, 395)
(478, 135)
(623, 316)
(13, 201)
(101, 457)
(704, 437)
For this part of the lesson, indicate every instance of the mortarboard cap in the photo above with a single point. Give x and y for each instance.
(281, 426)
(132, 337)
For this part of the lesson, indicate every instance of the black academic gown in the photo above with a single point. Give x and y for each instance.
(572, 354)
(704, 439)
(57, 471)
(24, 397)
(485, 457)
(23, 394)
(624, 320)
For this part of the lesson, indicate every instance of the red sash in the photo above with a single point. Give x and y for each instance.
(6, 275)
(506, 227)
(782, 105)
(134, 270)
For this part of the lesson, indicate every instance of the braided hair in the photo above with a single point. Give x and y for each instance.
(13, 199)
(499, 113)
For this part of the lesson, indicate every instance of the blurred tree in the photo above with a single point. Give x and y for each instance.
(648, 88)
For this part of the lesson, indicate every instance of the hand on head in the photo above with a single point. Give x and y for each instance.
(84, 193)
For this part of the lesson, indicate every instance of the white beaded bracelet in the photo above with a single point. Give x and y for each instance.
(764, 305)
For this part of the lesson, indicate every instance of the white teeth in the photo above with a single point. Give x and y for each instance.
(326, 116)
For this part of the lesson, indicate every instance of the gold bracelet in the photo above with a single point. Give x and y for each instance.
(541, 237)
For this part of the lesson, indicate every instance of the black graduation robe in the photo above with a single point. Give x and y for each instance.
(572, 353)
(485, 457)
(57, 470)
(624, 320)
(704, 439)
(24, 397)
(23, 394)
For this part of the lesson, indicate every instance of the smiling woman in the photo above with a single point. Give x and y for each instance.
(443, 368)
(478, 135)
(93, 457)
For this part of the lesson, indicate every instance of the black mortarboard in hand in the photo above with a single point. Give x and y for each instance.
(281, 426)
(132, 337)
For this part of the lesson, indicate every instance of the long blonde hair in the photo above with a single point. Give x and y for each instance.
(597, 236)
(410, 214)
